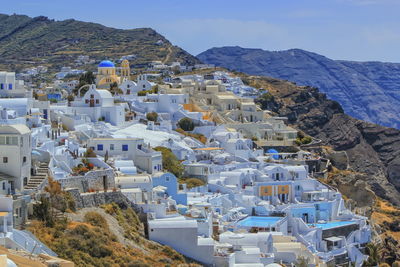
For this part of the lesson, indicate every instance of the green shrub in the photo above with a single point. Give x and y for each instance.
(186, 124)
(192, 182)
(95, 219)
(170, 162)
(152, 116)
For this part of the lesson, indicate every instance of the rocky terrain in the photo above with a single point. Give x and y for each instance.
(366, 90)
(26, 41)
(372, 150)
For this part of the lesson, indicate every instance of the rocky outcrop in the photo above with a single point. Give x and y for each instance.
(339, 159)
(373, 150)
(366, 90)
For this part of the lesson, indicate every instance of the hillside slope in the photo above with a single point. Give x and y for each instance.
(373, 150)
(107, 236)
(366, 90)
(26, 41)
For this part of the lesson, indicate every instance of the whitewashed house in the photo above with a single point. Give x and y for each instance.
(15, 155)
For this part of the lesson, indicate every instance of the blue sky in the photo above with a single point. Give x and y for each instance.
(339, 29)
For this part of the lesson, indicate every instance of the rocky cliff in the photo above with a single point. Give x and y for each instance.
(373, 150)
(367, 90)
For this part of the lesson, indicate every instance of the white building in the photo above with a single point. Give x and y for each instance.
(10, 87)
(98, 105)
(134, 149)
(15, 155)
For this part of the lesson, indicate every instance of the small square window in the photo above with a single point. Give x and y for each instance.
(100, 147)
(5, 159)
(111, 146)
(124, 147)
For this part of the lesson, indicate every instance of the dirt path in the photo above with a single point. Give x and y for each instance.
(113, 224)
(168, 55)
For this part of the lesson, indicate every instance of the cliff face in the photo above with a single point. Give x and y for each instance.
(26, 41)
(366, 90)
(372, 149)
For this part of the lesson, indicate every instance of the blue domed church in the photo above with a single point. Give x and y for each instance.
(107, 74)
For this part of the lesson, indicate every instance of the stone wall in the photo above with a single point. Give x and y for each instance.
(86, 200)
(93, 180)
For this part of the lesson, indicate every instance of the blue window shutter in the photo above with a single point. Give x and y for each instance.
(10, 86)
(100, 147)
(124, 147)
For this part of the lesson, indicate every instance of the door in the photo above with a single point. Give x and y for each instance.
(305, 217)
(105, 184)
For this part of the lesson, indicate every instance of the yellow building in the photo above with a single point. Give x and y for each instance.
(125, 70)
(107, 74)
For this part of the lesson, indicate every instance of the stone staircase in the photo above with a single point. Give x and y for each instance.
(39, 178)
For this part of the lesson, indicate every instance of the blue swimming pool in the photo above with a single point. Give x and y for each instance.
(332, 224)
(257, 221)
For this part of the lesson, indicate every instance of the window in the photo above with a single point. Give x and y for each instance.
(87, 101)
(128, 92)
(4, 185)
(22, 142)
(24, 159)
(91, 96)
(25, 181)
(139, 146)
(10, 86)
(111, 146)
(2, 86)
(2, 140)
(167, 179)
(97, 101)
(144, 86)
(100, 147)
(155, 167)
(11, 140)
(124, 147)
(5, 159)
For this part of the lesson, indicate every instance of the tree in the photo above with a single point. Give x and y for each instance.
(86, 78)
(193, 182)
(70, 98)
(90, 153)
(152, 116)
(114, 89)
(170, 162)
(42, 211)
(106, 157)
(301, 262)
(374, 254)
(186, 124)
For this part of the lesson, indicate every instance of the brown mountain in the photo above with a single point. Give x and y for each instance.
(26, 41)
